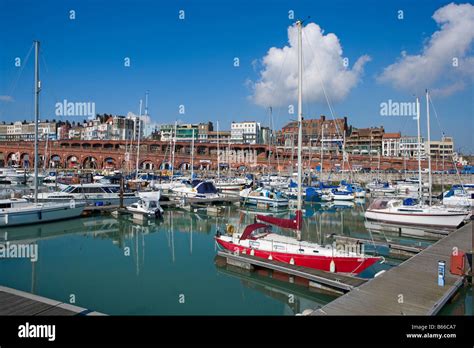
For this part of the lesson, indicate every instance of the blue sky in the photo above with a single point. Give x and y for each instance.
(190, 61)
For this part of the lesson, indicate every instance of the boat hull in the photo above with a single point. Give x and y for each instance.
(93, 201)
(342, 264)
(417, 219)
(40, 214)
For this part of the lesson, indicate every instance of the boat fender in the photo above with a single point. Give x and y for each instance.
(292, 261)
(332, 267)
(270, 257)
(379, 273)
(252, 252)
(230, 229)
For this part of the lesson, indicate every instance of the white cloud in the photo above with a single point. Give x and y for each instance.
(6, 98)
(323, 61)
(433, 67)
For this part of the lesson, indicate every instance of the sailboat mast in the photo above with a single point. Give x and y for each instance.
(37, 91)
(192, 157)
(429, 141)
(300, 113)
(322, 151)
(218, 153)
(174, 148)
(139, 127)
(420, 186)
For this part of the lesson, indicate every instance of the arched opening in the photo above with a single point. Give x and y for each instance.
(72, 162)
(89, 162)
(165, 166)
(26, 160)
(185, 166)
(109, 163)
(147, 165)
(54, 161)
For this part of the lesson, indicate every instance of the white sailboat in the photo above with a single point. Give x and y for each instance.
(14, 212)
(408, 211)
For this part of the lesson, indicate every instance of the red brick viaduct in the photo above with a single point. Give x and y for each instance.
(154, 154)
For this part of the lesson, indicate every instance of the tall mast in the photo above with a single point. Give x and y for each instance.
(218, 153)
(420, 186)
(300, 118)
(138, 141)
(173, 150)
(429, 142)
(192, 157)
(37, 92)
(322, 151)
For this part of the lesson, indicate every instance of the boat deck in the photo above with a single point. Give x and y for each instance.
(16, 302)
(410, 288)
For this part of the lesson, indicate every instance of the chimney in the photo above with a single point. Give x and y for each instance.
(323, 118)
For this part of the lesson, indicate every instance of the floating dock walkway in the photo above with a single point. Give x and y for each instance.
(410, 288)
(16, 302)
(319, 279)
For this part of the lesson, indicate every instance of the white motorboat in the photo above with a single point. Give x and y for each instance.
(93, 194)
(196, 189)
(342, 195)
(18, 211)
(407, 212)
(264, 197)
(234, 184)
(380, 187)
(146, 206)
(458, 198)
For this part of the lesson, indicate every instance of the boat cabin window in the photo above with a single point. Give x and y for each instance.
(69, 189)
(5, 205)
(152, 204)
(254, 244)
(111, 189)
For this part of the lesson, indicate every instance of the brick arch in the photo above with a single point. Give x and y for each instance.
(109, 162)
(90, 162)
(184, 165)
(147, 164)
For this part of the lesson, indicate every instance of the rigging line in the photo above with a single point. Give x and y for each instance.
(42, 57)
(442, 132)
(12, 87)
(322, 86)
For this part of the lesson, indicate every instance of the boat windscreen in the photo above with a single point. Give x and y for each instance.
(379, 204)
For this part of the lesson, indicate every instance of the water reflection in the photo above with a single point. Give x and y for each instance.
(122, 266)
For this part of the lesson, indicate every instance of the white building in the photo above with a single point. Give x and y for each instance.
(245, 132)
(441, 149)
(409, 147)
(391, 144)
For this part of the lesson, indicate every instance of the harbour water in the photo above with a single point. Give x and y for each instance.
(169, 267)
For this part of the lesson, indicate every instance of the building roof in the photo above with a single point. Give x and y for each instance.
(392, 135)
